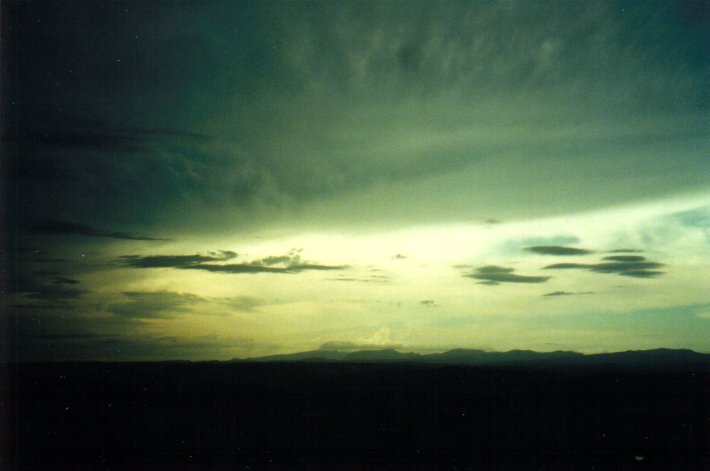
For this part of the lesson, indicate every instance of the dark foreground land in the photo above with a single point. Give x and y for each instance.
(352, 416)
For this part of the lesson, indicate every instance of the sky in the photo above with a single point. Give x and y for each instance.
(211, 180)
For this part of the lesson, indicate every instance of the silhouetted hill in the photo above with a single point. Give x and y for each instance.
(387, 355)
(312, 355)
(641, 359)
(662, 358)
(480, 357)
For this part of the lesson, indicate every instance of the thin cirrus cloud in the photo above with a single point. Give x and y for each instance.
(363, 279)
(62, 280)
(494, 274)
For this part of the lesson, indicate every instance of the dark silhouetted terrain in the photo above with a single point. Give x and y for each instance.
(570, 412)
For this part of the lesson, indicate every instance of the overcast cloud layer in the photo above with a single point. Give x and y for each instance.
(164, 157)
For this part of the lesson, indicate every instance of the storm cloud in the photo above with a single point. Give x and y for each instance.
(343, 99)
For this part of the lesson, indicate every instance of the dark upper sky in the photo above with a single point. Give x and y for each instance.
(191, 130)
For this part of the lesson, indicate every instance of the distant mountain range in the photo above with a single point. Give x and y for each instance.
(666, 359)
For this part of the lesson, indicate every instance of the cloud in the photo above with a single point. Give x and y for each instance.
(75, 139)
(174, 261)
(61, 280)
(69, 336)
(289, 263)
(247, 268)
(698, 218)
(97, 135)
(347, 101)
(626, 265)
(566, 293)
(557, 250)
(626, 258)
(241, 303)
(277, 260)
(154, 304)
(49, 287)
(57, 227)
(363, 279)
(54, 293)
(493, 274)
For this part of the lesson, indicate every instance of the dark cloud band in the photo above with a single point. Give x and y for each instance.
(57, 227)
(237, 268)
(557, 250)
(566, 293)
(626, 265)
(290, 263)
(493, 274)
(173, 261)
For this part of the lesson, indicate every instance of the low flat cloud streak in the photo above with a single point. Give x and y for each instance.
(626, 265)
(557, 250)
(173, 261)
(290, 263)
(240, 268)
(493, 274)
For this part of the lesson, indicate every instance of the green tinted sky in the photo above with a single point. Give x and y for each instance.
(220, 179)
